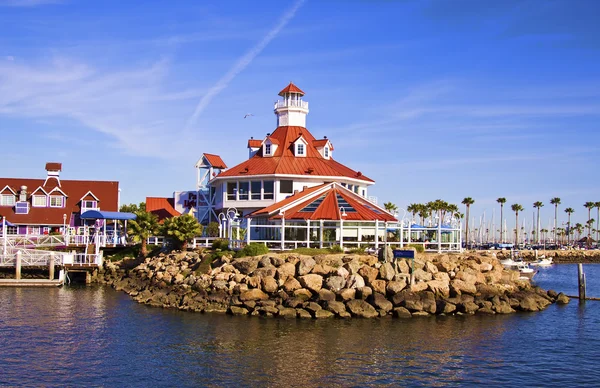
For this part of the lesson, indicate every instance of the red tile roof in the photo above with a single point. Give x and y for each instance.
(106, 191)
(215, 161)
(322, 143)
(53, 166)
(253, 143)
(291, 88)
(355, 207)
(284, 161)
(162, 207)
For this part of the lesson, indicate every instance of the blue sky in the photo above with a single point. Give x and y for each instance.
(432, 99)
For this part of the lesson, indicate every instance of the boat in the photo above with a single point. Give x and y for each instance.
(525, 272)
(543, 262)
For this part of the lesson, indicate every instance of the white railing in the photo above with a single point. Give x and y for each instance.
(32, 241)
(88, 259)
(32, 257)
(291, 103)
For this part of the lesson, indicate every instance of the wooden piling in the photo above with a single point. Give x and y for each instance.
(581, 278)
(51, 267)
(18, 266)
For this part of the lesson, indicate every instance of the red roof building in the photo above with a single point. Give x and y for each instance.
(38, 206)
(161, 207)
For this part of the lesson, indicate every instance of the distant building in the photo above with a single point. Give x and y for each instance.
(42, 206)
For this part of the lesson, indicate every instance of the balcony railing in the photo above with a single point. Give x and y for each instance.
(291, 103)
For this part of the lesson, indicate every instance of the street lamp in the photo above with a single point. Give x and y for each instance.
(64, 224)
(222, 217)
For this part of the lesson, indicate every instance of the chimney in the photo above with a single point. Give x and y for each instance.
(53, 170)
(304, 188)
(23, 194)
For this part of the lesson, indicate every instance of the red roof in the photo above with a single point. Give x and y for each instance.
(215, 161)
(291, 88)
(322, 143)
(325, 202)
(162, 207)
(107, 192)
(53, 166)
(286, 163)
(252, 143)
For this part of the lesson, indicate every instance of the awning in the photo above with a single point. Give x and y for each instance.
(102, 215)
(8, 223)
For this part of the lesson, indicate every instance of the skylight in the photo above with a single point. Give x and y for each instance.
(314, 205)
(343, 203)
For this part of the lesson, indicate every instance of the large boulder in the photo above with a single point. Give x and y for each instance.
(269, 284)
(305, 265)
(459, 287)
(335, 283)
(368, 273)
(338, 308)
(246, 265)
(355, 281)
(422, 276)
(379, 285)
(380, 301)
(439, 287)
(361, 308)
(253, 294)
(291, 285)
(395, 286)
(313, 282)
(386, 271)
(285, 271)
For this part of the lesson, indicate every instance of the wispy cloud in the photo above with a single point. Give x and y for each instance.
(133, 107)
(241, 64)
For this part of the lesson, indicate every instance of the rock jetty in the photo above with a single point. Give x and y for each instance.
(326, 286)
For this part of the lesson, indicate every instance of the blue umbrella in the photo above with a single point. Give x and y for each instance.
(7, 223)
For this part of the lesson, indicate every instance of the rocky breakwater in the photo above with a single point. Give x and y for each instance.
(291, 285)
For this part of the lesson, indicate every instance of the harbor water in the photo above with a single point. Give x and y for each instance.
(95, 336)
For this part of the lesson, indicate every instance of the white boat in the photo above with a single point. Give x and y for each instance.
(525, 271)
(543, 262)
(509, 263)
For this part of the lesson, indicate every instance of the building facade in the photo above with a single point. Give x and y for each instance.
(52, 205)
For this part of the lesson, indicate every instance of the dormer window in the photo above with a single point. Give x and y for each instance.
(89, 205)
(22, 208)
(267, 149)
(39, 201)
(300, 149)
(7, 200)
(57, 201)
(326, 153)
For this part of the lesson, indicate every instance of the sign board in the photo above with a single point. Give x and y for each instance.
(404, 254)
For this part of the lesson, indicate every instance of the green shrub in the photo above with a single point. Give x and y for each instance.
(222, 244)
(418, 247)
(311, 251)
(212, 229)
(336, 249)
(253, 249)
(359, 251)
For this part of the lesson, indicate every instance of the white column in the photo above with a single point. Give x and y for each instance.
(248, 226)
(341, 233)
(321, 234)
(308, 233)
(401, 235)
(4, 236)
(376, 234)
(282, 232)
(409, 225)
(440, 233)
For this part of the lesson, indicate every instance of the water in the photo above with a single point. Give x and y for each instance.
(95, 336)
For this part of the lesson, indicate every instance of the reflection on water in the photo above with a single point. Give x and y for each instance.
(96, 336)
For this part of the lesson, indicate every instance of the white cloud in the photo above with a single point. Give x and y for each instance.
(131, 106)
(241, 64)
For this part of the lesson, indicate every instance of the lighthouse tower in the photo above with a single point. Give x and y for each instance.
(291, 111)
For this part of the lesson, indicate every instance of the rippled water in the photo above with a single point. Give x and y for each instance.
(97, 336)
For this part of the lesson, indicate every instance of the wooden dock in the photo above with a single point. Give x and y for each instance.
(31, 283)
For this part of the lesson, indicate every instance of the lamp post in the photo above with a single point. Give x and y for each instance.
(342, 215)
(64, 224)
(232, 215)
(222, 217)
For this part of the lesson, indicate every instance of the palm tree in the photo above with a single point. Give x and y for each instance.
(569, 211)
(589, 206)
(144, 226)
(413, 208)
(468, 201)
(182, 229)
(597, 206)
(390, 207)
(538, 205)
(517, 208)
(501, 201)
(579, 229)
(555, 201)
(544, 232)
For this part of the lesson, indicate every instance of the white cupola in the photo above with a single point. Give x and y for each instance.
(292, 110)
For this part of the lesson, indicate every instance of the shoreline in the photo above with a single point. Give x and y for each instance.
(328, 286)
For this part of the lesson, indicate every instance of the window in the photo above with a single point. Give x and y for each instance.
(269, 189)
(11, 230)
(56, 201)
(267, 149)
(255, 189)
(89, 204)
(39, 201)
(231, 191)
(8, 200)
(286, 187)
(22, 208)
(244, 187)
(326, 152)
(300, 149)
